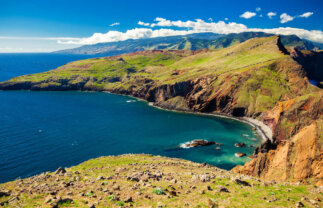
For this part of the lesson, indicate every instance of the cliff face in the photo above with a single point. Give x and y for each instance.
(297, 154)
(311, 61)
(257, 79)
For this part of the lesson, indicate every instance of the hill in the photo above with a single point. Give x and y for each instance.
(257, 79)
(152, 181)
(188, 42)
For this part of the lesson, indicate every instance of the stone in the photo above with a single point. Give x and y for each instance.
(172, 193)
(202, 177)
(48, 199)
(116, 188)
(173, 181)
(222, 189)
(299, 204)
(240, 144)
(212, 203)
(313, 202)
(4, 193)
(241, 182)
(100, 178)
(128, 199)
(240, 154)
(60, 170)
(197, 143)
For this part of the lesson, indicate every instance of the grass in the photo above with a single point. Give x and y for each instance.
(156, 192)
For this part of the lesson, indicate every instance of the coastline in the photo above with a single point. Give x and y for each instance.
(262, 129)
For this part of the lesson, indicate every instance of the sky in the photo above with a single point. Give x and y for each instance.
(49, 25)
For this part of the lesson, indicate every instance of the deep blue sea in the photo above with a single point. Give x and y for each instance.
(40, 131)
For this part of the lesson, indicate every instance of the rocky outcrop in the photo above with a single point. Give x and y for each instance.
(296, 154)
(145, 181)
(197, 143)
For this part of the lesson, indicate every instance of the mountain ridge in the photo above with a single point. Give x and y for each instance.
(192, 42)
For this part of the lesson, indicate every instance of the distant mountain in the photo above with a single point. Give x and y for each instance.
(191, 42)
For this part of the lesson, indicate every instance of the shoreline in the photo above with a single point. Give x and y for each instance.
(262, 129)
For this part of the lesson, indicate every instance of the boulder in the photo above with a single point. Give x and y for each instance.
(241, 182)
(60, 170)
(128, 199)
(240, 154)
(222, 189)
(4, 193)
(240, 144)
(197, 143)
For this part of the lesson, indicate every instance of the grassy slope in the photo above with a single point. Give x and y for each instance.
(85, 186)
(257, 60)
(192, 42)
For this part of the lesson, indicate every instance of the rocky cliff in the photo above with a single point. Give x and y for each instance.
(258, 78)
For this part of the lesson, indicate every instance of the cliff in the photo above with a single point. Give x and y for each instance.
(152, 181)
(258, 78)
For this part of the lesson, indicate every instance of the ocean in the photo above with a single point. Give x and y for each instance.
(41, 131)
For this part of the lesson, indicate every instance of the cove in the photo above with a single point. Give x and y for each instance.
(41, 131)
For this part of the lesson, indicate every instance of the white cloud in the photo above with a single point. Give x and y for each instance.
(258, 9)
(306, 14)
(285, 18)
(226, 19)
(271, 14)
(183, 28)
(312, 35)
(189, 27)
(114, 24)
(143, 23)
(137, 33)
(248, 15)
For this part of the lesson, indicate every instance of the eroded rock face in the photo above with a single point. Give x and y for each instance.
(297, 159)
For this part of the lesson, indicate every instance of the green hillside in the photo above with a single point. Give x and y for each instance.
(189, 42)
(151, 181)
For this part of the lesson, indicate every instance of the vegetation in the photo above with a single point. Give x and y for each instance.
(152, 181)
(188, 42)
(249, 71)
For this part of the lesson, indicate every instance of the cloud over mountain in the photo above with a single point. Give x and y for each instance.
(189, 27)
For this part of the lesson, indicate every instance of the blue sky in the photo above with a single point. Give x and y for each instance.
(48, 25)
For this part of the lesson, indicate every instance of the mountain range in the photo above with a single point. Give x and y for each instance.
(195, 41)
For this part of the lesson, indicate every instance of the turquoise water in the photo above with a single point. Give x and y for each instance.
(40, 131)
